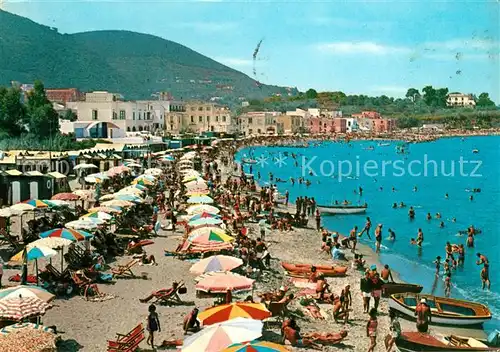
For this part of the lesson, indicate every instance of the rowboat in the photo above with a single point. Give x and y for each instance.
(301, 270)
(342, 209)
(419, 342)
(391, 288)
(445, 311)
(248, 161)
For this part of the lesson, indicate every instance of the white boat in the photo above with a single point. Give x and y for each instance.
(342, 209)
(249, 161)
(445, 311)
(384, 144)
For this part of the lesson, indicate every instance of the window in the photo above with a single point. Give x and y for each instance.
(216, 118)
(133, 115)
(133, 128)
(140, 128)
(94, 115)
(208, 119)
(200, 118)
(128, 128)
(192, 108)
(192, 119)
(200, 108)
(122, 114)
(115, 115)
(148, 117)
(140, 117)
(250, 120)
(224, 118)
(208, 108)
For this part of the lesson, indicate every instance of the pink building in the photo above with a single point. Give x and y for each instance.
(321, 125)
(373, 121)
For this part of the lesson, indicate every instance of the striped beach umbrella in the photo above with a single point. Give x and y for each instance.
(109, 210)
(219, 314)
(219, 336)
(142, 182)
(69, 234)
(88, 224)
(216, 263)
(26, 291)
(204, 215)
(33, 253)
(98, 214)
(256, 346)
(20, 308)
(200, 200)
(206, 230)
(204, 221)
(220, 282)
(211, 236)
(117, 203)
(37, 203)
(65, 196)
(199, 209)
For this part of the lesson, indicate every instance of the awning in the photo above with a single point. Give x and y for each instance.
(102, 156)
(33, 173)
(116, 156)
(56, 174)
(13, 172)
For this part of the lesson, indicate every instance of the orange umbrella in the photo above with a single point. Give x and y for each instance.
(224, 312)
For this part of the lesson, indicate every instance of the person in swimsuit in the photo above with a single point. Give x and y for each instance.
(438, 264)
(411, 213)
(447, 285)
(424, 316)
(367, 228)
(153, 324)
(378, 237)
(377, 285)
(191, 322)
(485, 272)
(353, 239)
(371, 329)
(386, 274)
(395, 329)
(461, 254)
(420, 238)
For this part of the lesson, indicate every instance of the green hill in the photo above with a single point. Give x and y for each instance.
(133, 64)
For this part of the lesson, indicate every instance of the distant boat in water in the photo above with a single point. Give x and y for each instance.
(248, 161)
(342, 209)
(384, 144)
(475, 151)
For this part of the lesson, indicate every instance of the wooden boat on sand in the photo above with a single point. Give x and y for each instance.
(445, 311)
(302, 270)
(391, 288)
(420, 342)
(342, 209)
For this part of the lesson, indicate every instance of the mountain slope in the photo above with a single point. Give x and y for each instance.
(136, 65)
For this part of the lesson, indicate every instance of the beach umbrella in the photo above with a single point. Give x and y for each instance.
(85, 166)
(117, 170)
(206, 230)
(167, 158)
(26, 291)
(146, 177)
(204, 215)
(20, 308)
(27, 337)
(131, 190)
(85, 194)
(133, 165)
(37, 203)
(109, 210)
(197, 209)
(192, 178)
(219, 336)
(107, 197)
(216, 263)
(129, 198)
(33, 253)
(50, 242)
(7, 213)
(65, 196)
(98, 214)
(69, 234)
(96, 178)
(219, 314)
(220, 282)
(190, 172)
(14, 328)
(142, 182)
(88, 225)
(204, 221)
(198, 192)
(212, 236)
(57, 203)
(200, 200)
(117, 203)
(153, 171)
(256, 346)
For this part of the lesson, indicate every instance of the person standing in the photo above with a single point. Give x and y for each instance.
(318, 220)
(395, 329)
(353, 238)
(153, 324)
(378, 237)
(371, 329)
(367, 228)
(424, 315)
(366, 290)
(1, 271)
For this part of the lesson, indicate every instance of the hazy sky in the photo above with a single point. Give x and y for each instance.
(369, 47)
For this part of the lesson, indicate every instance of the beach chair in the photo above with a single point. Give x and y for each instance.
(277, 310)
(127, 342)
(125, 270)
(78, 281)
(165, 296)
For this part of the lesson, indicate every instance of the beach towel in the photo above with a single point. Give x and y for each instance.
(302, 283)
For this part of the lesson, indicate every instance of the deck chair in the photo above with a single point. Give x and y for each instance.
(127, 342)
(125, 270)
(166, 296)
(277, 310)
(80, 282)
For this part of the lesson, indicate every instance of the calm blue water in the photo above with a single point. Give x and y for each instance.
(413, 265)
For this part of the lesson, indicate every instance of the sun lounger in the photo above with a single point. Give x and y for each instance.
(278, 311)
(166, 296)
(125, 270)
(127, 342)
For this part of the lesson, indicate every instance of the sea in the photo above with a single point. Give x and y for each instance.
(417, 174)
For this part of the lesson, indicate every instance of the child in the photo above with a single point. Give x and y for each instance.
(447, 285)
(438, 264)
(371, 329)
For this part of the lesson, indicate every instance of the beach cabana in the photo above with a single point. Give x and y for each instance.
(216, 263)
(219, 336)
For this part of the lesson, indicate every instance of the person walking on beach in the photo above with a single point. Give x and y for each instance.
(423, 314)
(353, 238)
(318, 220)
(367, 228)
(366, 290)
(371, 329)
(395, 329)
(153, 324)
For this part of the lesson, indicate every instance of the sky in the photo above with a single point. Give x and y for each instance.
(358, 47)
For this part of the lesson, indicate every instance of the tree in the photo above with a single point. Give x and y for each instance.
(311, 94)
(338, 97)
(484, 101)
(429, 95)
(43, 120)
(407, 122)
(70, 115)
(413, 94)
(441, 96)
(12, 112)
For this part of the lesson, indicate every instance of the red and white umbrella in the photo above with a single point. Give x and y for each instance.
(220, 282)
(22, 307)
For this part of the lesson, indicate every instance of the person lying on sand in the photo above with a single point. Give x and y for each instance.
(330, 338)
(291, 332)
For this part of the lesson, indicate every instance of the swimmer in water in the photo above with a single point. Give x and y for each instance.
(420, 238)
(438, 264)
(446, 196)
(415, 189)
(453, 219)
(438, 216)
(441, 225)
(392, 235)
(395, 205)
(429, 216)
(411, 213)
(402, 205)
(393, 189)
(471, 198)
(412, 241)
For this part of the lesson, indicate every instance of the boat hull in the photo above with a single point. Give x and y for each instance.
(302, 270)
(420, 342)
(341, 210)
(437, 318)
(392, 288)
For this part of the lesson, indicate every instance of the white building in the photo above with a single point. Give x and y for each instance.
(351, 124)
(459, 99)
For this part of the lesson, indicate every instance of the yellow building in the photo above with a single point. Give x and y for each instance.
(459, 99)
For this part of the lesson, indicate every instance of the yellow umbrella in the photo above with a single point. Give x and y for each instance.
(226, 312)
